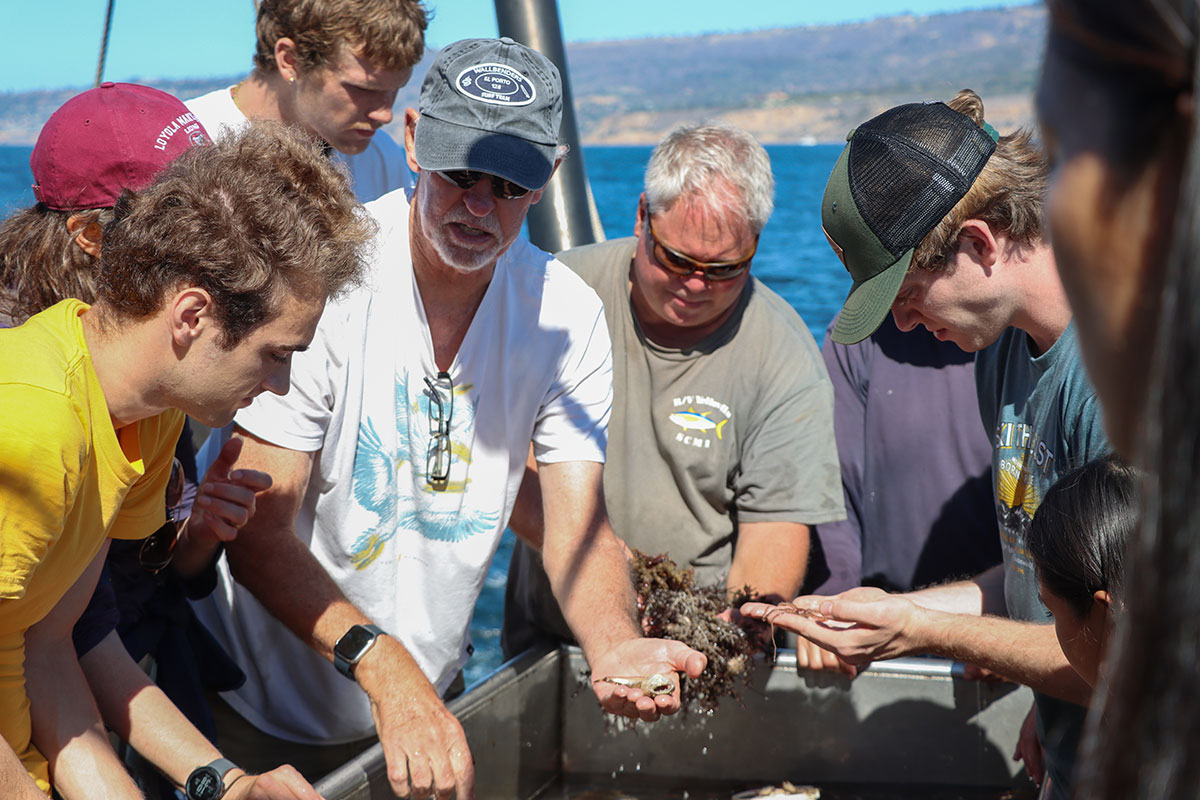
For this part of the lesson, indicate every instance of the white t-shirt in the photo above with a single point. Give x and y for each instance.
(535, 365)
(374, 172)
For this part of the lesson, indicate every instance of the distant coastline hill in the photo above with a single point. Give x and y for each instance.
(807, 84)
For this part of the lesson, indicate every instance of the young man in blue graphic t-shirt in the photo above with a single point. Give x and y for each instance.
(938, 219)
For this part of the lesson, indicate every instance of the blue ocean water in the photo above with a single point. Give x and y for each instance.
(793, 259)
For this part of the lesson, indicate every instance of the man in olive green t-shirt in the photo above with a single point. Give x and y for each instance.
(721, 449)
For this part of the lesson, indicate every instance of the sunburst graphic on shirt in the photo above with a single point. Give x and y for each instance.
(1016, 494)
(389, 481)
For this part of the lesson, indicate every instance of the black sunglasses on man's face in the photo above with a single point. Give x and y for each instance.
(502, 188)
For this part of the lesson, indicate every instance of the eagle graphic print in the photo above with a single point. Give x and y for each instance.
(390, 482)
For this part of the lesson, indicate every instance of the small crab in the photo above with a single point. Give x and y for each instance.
(652, 686)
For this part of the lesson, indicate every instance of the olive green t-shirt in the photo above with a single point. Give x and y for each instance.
(737, 428)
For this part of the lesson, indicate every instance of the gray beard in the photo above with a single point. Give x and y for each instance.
(460, 259)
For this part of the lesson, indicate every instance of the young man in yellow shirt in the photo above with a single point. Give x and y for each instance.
(210, 279)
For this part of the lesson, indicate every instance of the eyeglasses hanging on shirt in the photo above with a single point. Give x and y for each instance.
(440, 392)
(158, 548)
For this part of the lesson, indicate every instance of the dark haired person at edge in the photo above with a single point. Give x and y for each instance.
(116, 137)
(1077, 543)
(210, 279)
(1117, 109)
(938, 218)
(333, 68)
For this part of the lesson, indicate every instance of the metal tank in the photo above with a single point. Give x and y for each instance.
(911, 727)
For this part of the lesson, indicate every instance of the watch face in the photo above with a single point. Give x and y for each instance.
(350, 646)
(204, 784)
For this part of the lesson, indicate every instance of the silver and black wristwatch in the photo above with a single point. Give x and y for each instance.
(353, 645)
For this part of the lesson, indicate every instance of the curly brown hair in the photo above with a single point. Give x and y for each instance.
(1007, 195)
(40, 263)
(390, 34)
(258, 214)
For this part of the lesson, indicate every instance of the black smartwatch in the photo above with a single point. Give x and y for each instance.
(208, 782)
(353, 645)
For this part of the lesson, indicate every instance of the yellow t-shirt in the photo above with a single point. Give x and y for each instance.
(68, 480)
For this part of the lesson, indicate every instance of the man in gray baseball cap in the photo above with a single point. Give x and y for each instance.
(398, 454)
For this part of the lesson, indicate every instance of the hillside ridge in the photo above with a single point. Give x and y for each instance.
(786, 85)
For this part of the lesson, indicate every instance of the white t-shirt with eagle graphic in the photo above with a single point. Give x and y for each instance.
(535, 365)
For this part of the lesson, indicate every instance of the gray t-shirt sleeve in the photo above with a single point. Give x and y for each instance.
(789, 461)
(789, 468)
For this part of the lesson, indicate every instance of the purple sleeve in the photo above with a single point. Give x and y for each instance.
(841, 542)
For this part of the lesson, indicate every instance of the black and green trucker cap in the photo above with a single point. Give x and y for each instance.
(898, 176)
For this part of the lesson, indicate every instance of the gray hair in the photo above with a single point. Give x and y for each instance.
(718, 166)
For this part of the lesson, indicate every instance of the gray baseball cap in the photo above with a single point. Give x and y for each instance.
(492, 105)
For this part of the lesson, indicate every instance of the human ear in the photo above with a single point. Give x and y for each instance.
(189, 315)
(86, 232)
(642, 211)
(285, 59)
(1100, 618)
(977, 238)
(411, 115)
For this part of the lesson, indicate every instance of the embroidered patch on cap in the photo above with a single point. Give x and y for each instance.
(497, 84)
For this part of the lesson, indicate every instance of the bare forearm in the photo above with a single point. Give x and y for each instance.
(770, 558)
(141, 714)
(595, 593)
(17, 783)
(1024, 652)
(66, 722)
(279, 569)
(584, 559)
(287, 579)
(67, 729)
(983, 594)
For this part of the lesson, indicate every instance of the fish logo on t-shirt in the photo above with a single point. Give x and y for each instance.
(696, 428)
(692, 420)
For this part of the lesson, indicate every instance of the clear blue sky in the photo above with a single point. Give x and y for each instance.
(48, 44)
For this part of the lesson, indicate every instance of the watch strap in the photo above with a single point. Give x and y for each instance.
(344, 664)
(222, 766)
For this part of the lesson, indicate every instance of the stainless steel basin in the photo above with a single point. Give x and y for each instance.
(911, 721)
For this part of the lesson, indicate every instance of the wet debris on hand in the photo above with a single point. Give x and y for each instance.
(786, 791)
(672, 606)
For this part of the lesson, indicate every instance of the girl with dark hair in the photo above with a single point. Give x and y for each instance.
(1077, 543)
(1117, 108)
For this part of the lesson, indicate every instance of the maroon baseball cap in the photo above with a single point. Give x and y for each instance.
(114, 137)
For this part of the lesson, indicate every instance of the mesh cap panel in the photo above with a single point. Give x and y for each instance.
(910, 165)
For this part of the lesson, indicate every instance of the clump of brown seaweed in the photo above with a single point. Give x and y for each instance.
(672, 606)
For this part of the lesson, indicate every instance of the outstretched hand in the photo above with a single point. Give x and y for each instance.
(859, 626)
(640, 659)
